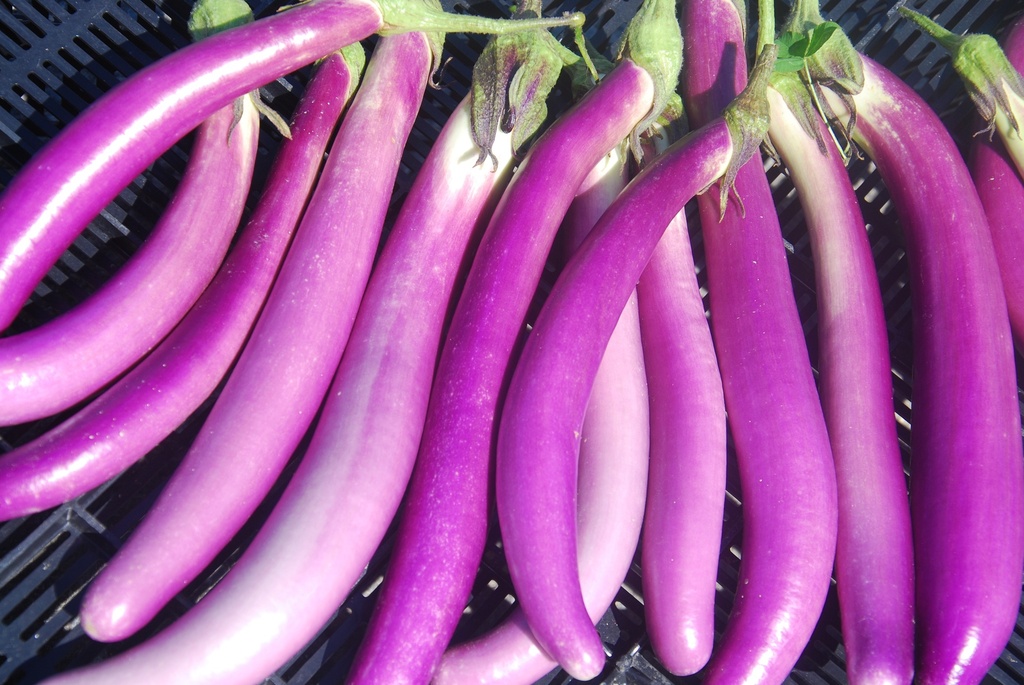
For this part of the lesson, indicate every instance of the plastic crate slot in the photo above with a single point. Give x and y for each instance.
(27, 17)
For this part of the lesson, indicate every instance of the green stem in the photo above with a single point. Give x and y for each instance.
(401, 16)
(765, 24)
(942, 36)
(581, 46)
(804, 16)
(748, 120)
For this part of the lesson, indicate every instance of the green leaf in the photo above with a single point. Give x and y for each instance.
(792, 44)
(820, 35)
(789, 65)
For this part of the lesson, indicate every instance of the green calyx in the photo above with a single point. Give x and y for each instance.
(213, 16)
(747, 117)
(512, 79)
(654, 41)
(209, 17)
(427, 16)
(990, 79)
(794, 91)
(354, 57)
(827, 53)
(815, 55)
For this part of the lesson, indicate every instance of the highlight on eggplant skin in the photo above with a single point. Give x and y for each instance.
(783, 456)
(874, 552)
(283, 372)
(810, 580)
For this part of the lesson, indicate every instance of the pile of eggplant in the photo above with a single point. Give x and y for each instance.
(569, 336)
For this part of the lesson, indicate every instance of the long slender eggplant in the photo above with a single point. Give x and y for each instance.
(279, 382)
(131, 417)
(874, 555)
(336, 509)
(64, 186)
(787, 477)
(60, 363)
(538, 438)
(686, 490)
(443, 528)
(967, 463)
(1000, 184)
(612, 482)
(992, 77)
(1001, 191)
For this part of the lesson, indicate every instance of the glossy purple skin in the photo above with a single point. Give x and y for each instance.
(1001, 191)
(443, 529)
(57, 365)
(539, 433)
(874, 556)
(283, 373)
(73, 178)
(686, 492)
(612, 484)
(787, 478)
(338, 505)
(1002, 195)
(135, 414)
(967, 471)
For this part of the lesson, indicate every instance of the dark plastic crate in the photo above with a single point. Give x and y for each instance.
(58, 55)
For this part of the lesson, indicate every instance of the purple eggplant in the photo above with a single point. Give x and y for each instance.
(612, 482)
(992, 77)
(998, 178)
(279, 382)
(443, 528)
(135, 414)
(874, 555)
(787, 477)
(60, 363)
(64, 186)
(967, 460)
(539, 433)
(1001, 192)
(337, 507)
(686, 492)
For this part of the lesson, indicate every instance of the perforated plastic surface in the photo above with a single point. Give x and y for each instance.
(58, 55)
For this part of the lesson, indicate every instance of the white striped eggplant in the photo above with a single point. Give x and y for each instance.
(874, 555)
